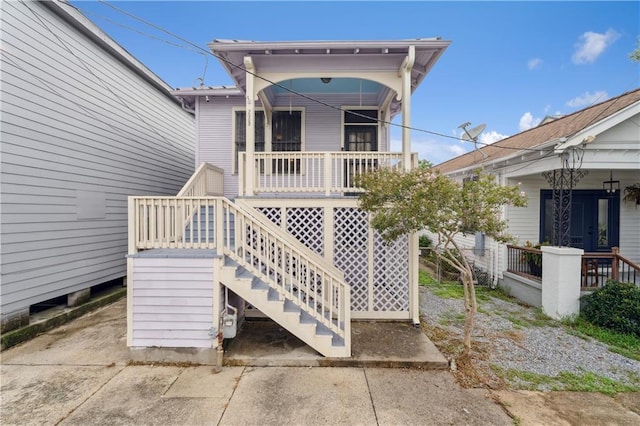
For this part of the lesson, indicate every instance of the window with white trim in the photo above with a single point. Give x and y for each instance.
(240, 136)
(286, 136)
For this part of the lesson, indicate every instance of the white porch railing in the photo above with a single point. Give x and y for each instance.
(207, 180)
(285, 264)
(328, 173)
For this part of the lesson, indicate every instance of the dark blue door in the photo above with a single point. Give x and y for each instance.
(594, 219)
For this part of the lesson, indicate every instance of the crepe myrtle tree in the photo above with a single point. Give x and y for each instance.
(422, 199)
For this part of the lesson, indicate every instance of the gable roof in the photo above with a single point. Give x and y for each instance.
(563, 127)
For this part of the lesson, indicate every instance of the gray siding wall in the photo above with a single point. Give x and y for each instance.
(322, 125)
(172, 302)
(80, 132)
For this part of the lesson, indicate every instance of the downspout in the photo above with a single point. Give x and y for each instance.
(186, 108)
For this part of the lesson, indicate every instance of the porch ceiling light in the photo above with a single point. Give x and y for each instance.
(325, 80)
(611, 186)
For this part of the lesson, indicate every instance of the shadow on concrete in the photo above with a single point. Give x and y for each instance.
(261, 343)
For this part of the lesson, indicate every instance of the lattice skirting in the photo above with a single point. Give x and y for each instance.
(378, 273)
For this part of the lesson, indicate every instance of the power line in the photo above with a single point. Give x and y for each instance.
(97, 77)
(302, 95)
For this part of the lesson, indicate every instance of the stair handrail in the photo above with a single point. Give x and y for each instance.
(250, 211)
(316, 262)
(207, 180)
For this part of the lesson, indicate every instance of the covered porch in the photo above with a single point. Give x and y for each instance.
(316, 114)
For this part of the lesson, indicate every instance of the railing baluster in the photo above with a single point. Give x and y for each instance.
(287, 267)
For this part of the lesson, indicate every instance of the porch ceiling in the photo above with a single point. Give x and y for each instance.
(316, 57)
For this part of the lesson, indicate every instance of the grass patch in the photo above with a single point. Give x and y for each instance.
(450, 318)
(626, 345)
(539, 319)
(424, 278)
(585, 382)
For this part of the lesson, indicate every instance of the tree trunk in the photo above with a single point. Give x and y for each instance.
(471, 307)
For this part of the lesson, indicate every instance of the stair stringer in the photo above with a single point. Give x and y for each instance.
(255, 291)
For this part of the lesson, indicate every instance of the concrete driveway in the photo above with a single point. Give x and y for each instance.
(80, 374)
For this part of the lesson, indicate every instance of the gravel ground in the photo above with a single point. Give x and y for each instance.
(514, 337)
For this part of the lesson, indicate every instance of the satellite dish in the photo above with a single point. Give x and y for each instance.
(472, 135)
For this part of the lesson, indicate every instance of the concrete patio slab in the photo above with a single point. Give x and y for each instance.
(46, 394)
(138, 396)
(200, 382)
(413, 397)
(301, 396)
(262, 343)
(97, 338)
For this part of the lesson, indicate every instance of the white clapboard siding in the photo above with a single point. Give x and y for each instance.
(172, 302)
(84, 125)
(322, 128)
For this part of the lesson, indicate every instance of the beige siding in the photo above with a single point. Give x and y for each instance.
(80, 132)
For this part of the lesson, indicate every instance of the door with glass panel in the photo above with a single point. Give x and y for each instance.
(595, 217)
(360, 135)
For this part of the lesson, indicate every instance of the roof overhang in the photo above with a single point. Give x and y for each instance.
(327, 58)
(188, 95)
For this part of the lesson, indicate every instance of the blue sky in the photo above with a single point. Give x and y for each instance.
(509, 65)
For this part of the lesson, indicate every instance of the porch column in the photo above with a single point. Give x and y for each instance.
(561, 273)
(250, 135)
(405, 69)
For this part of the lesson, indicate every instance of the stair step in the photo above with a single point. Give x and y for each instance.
(258, 284)
(273, 295)
(290, 306)
(242, 273)
(323, 330)
(306, 318)
(337, 341)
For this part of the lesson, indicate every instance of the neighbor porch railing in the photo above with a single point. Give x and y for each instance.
(285, 264)
(524, 261)
(324, 173)
(598, 268)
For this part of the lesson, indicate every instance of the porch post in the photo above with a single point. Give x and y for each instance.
(561, 273)
(405, 69)
(250, 135)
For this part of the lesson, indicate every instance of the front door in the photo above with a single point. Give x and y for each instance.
(594, 219)
(361, 135)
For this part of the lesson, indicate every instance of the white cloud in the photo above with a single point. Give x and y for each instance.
(587, 98)
(457, 150)
(592, 45)
(527, 121)
(488, 138)
(534, 63)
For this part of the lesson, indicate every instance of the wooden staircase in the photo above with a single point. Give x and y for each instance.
(282, 310)
(263, 264)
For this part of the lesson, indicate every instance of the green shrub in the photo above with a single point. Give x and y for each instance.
(424, 241)
(616, 306)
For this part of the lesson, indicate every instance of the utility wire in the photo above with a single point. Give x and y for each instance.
(82, 106)
(287, 89)
(204, 51)
(100, 80)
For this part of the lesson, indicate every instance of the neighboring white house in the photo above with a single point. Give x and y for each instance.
(602, 144)
(275, 220)
(83, 126)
